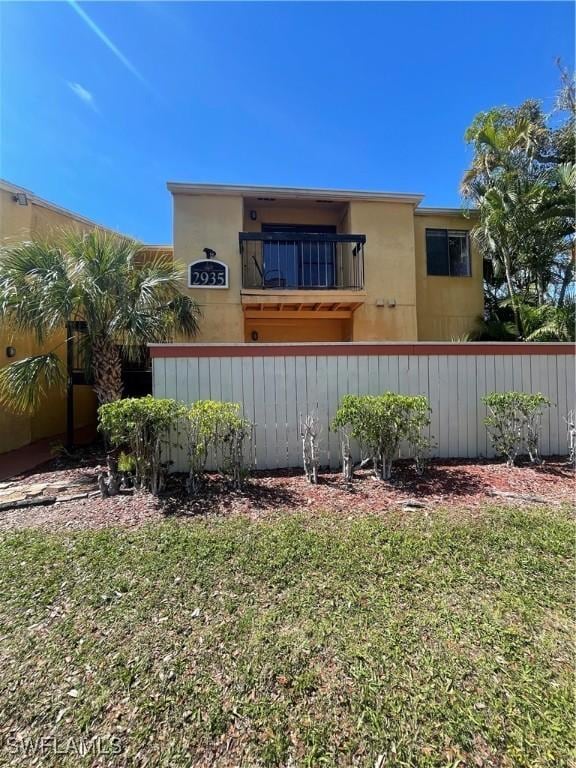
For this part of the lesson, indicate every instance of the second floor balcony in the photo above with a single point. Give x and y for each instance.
(298, 260)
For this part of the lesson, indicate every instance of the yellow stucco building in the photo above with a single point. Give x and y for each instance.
(277, 264)
(270, 264)
(24, 216)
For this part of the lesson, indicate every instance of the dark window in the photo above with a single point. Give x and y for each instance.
(448, 252)
(437, 251)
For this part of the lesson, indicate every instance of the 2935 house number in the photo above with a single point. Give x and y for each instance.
(208, 273)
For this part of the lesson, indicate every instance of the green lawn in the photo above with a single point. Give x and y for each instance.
(292, 642)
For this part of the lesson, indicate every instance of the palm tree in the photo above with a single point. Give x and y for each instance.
(97, 277)
(505, 143)
(550, 323)
(525, 200)
(546, 322)
(558, 207)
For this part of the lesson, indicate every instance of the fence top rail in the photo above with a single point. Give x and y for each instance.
(348, 349)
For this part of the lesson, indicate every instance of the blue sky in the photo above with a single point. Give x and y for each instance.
(102, 103)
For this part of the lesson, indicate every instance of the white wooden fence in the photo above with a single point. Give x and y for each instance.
(275, 383)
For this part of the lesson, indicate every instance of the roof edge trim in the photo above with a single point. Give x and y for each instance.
(185, 188)
(446, 212)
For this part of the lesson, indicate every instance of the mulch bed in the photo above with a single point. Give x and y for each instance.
(458, 484)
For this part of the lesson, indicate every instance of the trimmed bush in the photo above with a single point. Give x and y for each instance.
(380, 423)
(514, 422)
(144, 427)
(211, 425)
(142, 424)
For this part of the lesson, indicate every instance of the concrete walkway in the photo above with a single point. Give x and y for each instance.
(28, 457)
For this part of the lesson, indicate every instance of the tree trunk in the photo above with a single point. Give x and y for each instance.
(512, 295)
(107, 371)
(567, 281)
(541, 291)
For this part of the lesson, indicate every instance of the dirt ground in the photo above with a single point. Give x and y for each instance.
(461, 484)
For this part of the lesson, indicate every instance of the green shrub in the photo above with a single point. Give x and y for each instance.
(142, 424)
(380, 423)
(514, 422)
(217, 427)
(199, 426)
(126, 463)
(232, 440)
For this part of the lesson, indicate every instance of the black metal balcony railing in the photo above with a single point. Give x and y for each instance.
(302, 260)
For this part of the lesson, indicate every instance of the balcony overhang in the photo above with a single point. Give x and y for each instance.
(293, 193)
(268, 304)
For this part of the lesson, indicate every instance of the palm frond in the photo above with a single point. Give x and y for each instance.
(552, 323)
(157, 309)
(25, 383)
(97, 277)
(36, 294)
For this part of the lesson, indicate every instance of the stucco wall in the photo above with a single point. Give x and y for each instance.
(295, 330)
(447, 307)
(15, 431)
(18, 223)
(212, 222)
(284, 213)
(389, 271)
(15, 220)
(50, 420)
(15, 223)
(46, 221)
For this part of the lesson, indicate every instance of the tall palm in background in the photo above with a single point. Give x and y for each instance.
(522, 181)
(125, 301)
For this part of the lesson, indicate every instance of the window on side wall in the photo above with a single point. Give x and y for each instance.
(448, 252)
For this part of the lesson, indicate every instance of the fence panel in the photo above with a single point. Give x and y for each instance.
(278, 383)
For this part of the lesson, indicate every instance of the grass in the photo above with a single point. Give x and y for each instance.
(294, 641)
